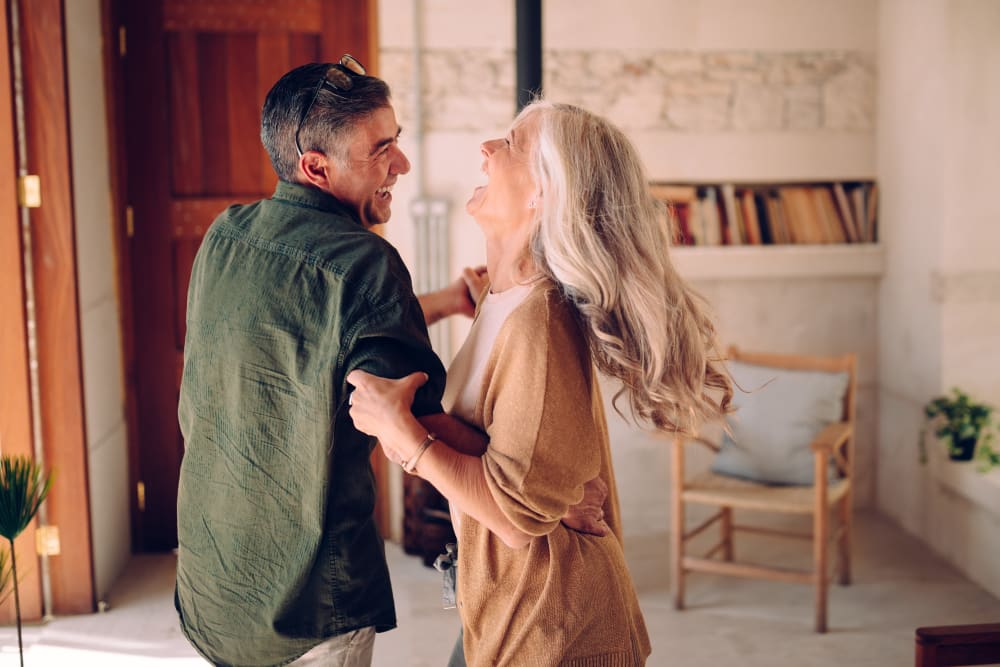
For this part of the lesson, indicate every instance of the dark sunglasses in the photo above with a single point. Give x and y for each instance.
(339, 78)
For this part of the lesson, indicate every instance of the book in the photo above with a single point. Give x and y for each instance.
(860, 210)
(872, 213)
(830, 212)
(711, 225)
(765, 217)
(851, 229)
(750, 218)
(776, 219)
(800, 216)
(680, 224)
(733, 231)
(833, 229)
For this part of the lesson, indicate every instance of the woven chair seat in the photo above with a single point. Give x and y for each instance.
(709, 488)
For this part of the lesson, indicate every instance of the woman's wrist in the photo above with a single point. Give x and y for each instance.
(410, 464)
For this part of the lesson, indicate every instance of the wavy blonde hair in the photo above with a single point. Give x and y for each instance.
(605, 240)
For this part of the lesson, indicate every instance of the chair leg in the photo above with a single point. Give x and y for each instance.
(677, 552)
(727, 533)
(845, 539)
(677, 521)
(820, 539)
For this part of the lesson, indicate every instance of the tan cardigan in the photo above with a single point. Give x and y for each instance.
(567, 598)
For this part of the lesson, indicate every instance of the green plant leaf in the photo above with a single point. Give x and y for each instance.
(23, 487)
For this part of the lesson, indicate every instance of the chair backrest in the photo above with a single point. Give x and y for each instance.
(834, 364)
(829, 364)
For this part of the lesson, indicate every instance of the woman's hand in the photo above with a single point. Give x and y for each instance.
(475, 279)
(381, 407)
(459, 297)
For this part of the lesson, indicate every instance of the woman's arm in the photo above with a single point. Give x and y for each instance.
(381, 407)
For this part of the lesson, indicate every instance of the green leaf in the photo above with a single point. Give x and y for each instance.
(23, 487)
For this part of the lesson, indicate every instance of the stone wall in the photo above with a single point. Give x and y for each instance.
(670, 91)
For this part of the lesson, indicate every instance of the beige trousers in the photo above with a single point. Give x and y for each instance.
(351, 649)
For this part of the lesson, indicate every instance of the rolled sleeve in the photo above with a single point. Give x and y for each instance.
(392, 342)
(544, 443)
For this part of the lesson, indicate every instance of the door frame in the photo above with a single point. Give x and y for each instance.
(356, 17)
(56, 309)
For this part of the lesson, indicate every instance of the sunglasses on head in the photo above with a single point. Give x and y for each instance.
(339, 79)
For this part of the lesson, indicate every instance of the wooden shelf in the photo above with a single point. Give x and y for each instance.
(864, 260)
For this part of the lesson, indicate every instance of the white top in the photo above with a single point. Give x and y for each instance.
(465, 375)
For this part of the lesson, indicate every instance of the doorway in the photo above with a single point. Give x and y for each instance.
(193, 77)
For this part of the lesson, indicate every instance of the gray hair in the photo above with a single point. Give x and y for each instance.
(603, 237)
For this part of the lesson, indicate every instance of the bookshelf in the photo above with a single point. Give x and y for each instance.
(774, 230)
(766, 214)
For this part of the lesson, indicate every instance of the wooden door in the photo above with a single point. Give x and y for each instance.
(195, 76)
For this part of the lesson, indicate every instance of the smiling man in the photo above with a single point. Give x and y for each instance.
(279, 558)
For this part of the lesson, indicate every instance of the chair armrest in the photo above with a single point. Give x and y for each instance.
(682, 440)
(832, 437)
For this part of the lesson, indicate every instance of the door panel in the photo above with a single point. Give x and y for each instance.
(196, 75)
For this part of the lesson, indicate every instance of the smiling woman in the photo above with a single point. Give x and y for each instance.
(569, 222)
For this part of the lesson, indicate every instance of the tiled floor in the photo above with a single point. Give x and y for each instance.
(898, 586)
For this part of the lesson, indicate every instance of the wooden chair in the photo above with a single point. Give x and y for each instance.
(835, 443)
(953, 645)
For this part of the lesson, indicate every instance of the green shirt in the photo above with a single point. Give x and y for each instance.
(278, 549)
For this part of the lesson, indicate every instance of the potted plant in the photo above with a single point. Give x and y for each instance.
(23, 487)
(961, 424)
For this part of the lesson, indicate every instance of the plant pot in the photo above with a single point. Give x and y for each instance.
(962, 450)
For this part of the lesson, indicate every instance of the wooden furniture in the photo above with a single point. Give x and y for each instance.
(834, 444)
(953, 645)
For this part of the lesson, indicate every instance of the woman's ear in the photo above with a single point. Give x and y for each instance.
(316, 169)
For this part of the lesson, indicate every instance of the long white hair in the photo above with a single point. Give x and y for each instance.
(605, 240)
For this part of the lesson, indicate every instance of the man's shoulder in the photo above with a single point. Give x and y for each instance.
(329, 240)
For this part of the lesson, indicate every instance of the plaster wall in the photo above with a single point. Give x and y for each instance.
(939, 306)
(107, 452)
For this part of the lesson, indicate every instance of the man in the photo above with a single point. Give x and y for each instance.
(279, 558)
(278, 550)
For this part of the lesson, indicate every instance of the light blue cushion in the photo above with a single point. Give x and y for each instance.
(777, 417)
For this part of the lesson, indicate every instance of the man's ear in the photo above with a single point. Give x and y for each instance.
(317, 170)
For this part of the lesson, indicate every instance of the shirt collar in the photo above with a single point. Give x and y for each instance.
(304, 195)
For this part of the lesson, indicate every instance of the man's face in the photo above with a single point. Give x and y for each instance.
(374, 161)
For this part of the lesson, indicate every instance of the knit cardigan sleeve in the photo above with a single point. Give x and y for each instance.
(544, 440)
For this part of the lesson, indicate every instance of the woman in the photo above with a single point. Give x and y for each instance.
(576, 251)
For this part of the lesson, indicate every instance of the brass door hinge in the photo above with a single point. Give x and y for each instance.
(29, 191)
(129, 222)
(122, 50)
(140, 496)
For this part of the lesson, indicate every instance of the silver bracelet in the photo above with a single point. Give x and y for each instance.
(410, 465)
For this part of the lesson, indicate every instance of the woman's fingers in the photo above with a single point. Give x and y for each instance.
(376, 403)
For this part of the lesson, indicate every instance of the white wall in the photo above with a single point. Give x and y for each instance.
(713, 90)
(938, 142)
(99, 316)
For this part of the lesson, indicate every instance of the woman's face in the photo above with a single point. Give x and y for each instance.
(503, 204)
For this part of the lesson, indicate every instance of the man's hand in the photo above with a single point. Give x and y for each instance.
(587, 516)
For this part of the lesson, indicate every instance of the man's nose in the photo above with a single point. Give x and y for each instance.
(401, 164)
